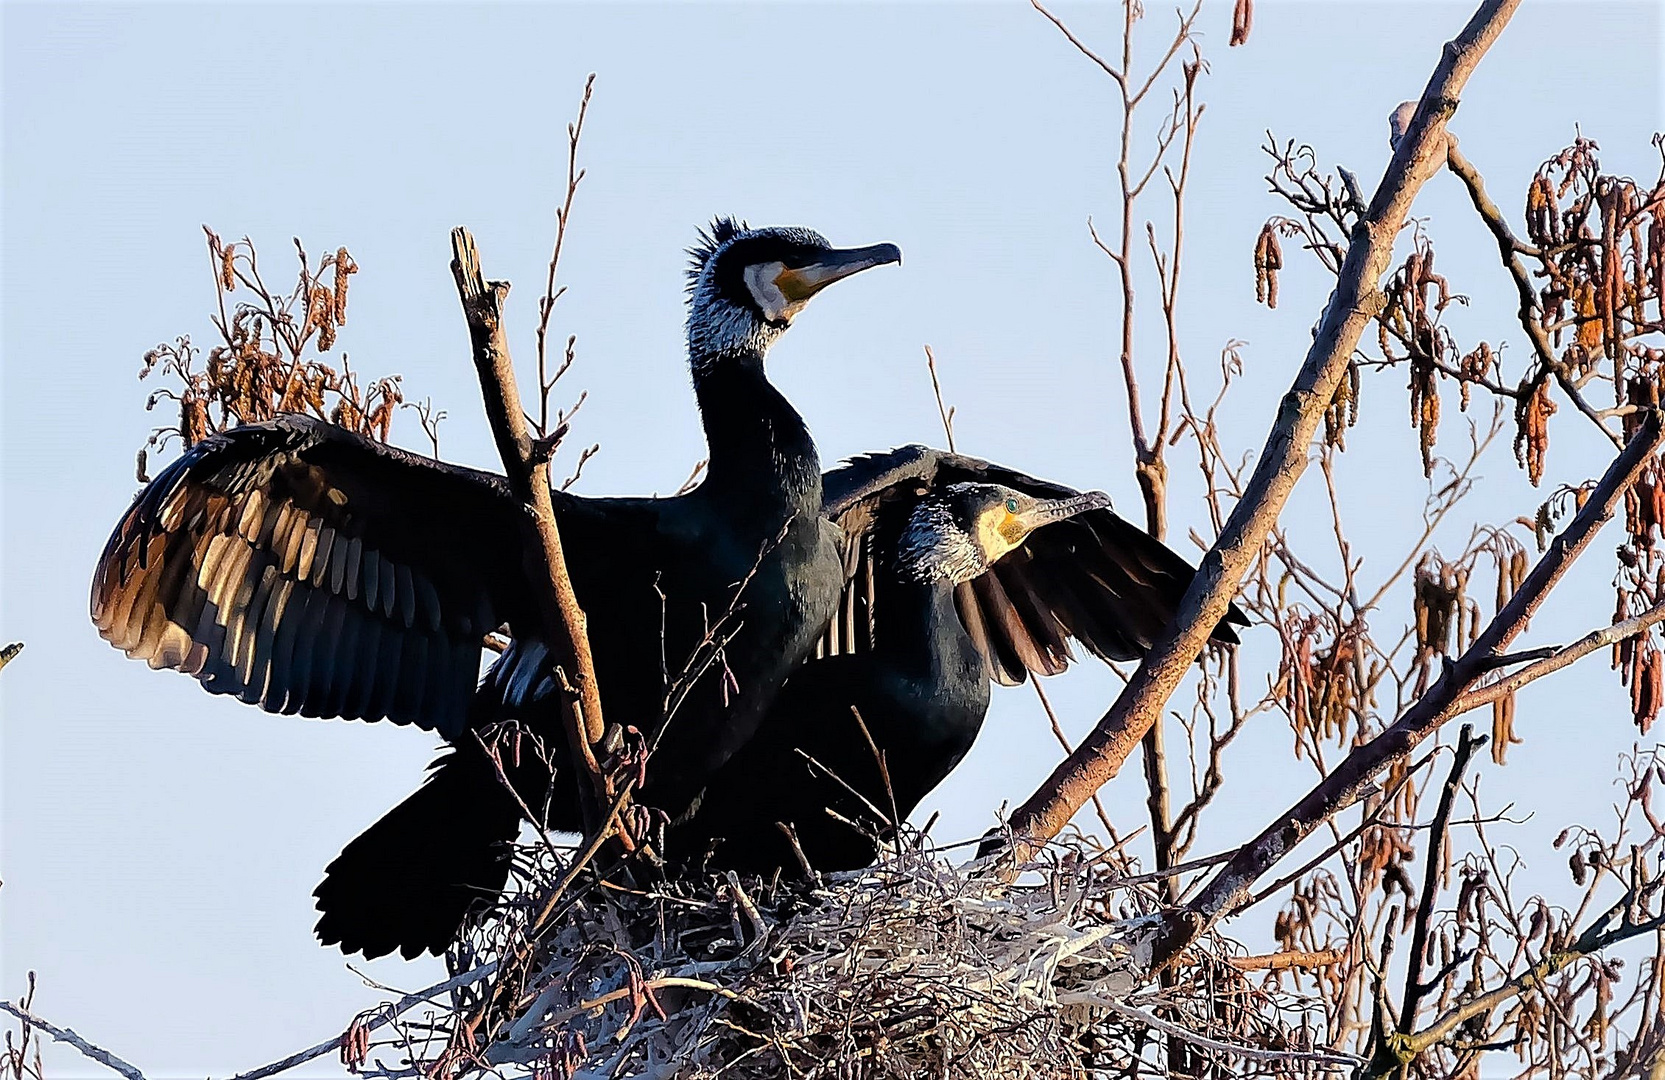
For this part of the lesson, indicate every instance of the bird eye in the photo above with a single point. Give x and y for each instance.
(1011, 506)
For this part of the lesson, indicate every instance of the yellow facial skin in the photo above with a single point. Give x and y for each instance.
(999, 531)
(1006, 523)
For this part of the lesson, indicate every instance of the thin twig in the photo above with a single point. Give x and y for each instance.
(385, 1015)
(943, 411)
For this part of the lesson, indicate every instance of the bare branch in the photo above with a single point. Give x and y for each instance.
(1104, 65)
(1559, 658)
(943, 411)
(563, 619)
(1343, 786)
(1415, 987)
(1284, 458)
(1511, 250)
(66, 1035)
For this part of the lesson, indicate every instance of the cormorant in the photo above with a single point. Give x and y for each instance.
(305, 569)
(955, 572)
(958, 572)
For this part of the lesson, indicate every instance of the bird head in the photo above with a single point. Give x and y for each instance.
(956, 534)
(745, 286)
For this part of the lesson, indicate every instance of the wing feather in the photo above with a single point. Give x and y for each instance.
(303, 568)
(1096, 578)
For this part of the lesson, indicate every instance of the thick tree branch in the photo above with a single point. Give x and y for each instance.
(1349, 780)
(1356, 298)
(528, 473)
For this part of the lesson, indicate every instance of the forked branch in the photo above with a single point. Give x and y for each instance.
(1348, 781)
(1420, 152)
(528, 473)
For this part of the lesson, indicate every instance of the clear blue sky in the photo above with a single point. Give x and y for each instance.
(159, 846)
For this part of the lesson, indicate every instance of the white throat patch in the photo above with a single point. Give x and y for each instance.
(761, 283)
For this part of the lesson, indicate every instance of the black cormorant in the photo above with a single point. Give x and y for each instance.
(955, 572)
(305, 569)
(958, 572)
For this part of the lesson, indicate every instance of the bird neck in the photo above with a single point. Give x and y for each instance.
(759, 448)
(920, 629)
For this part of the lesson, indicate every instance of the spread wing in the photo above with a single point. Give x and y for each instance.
(305, 569)
(1094, 578)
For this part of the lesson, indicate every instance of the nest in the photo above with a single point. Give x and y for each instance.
(911, 968)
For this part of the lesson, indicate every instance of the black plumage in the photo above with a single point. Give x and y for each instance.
(226, 567)
(958, 573)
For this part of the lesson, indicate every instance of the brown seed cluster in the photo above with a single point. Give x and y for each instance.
(1343, 412)
(1318, 681)
(1511, 571)
(258, 368)
(1268, 261)
(1446, 619)
(1532, 413)
(1410, 331)
(1599, 248)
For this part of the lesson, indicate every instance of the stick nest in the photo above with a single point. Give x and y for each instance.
(911, 968)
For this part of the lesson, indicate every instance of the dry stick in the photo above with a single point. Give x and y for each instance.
(66, 1035)
(527, 466)
(1282, 961)
(943, 411)
(1415, 988)
(1348, 781)
(1352, 305)
(384, 1016)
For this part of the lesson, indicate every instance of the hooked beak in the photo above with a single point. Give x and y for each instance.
(1048, 511)
(800, 283)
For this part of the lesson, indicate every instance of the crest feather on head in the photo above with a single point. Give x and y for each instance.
(720, 232)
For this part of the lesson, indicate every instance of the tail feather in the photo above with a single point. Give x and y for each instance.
(408, 881)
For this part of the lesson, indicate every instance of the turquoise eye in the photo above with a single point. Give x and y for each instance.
(1011, 506)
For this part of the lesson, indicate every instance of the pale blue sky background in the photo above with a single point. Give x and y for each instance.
(159, 846)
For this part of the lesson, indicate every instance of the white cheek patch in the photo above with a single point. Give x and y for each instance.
(760, 282)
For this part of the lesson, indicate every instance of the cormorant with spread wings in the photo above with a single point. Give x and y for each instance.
(307, 570)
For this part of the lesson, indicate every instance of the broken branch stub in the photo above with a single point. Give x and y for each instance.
(562, 617)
